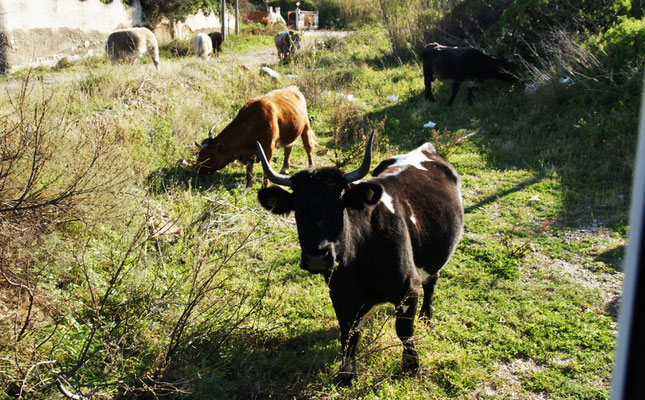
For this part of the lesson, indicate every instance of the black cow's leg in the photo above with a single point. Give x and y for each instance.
(349, 313)
(427, 80)
(455, 88)
(404, 324)
(470, 95)
(428, 291)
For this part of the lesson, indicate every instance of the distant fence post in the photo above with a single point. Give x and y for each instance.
(237, 17)
(223, 19)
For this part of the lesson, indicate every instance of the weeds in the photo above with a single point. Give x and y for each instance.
(150, 281)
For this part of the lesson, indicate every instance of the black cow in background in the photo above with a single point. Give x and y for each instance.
(462, 64)
(376, 241)
(216, 38)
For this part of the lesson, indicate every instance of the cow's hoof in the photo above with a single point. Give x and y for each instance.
(410, 362)
(345, 375)
(425, 316)
(343, 378)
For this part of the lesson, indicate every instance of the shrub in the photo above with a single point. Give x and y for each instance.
(526, 24)
(176, 48)
(622, 46)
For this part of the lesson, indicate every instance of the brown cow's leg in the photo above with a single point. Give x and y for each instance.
(404, 324)
(287, 157)
(249, 175)
(308, 142)
(268, 150)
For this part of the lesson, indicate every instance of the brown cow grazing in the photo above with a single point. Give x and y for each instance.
(462, 64)
(216, 38)
(276, 120)
(132, 43)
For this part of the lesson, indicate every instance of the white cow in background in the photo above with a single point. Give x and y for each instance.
(203, 45)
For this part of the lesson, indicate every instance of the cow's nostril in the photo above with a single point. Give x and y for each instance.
(318, 262)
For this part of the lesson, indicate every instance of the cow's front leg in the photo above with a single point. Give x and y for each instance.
(249, 175)
(455, 89)
(287, 157)
(428, 88)
(470, 94)
(350, 315)
(404, 324)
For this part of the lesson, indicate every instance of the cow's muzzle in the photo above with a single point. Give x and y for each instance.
(318, 262)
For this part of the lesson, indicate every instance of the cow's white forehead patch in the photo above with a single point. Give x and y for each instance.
(415, 158)
(387, 201)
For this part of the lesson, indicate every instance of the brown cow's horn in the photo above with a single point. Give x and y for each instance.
(273, 176)
(201, 146)
(365, 166)
(210, 132)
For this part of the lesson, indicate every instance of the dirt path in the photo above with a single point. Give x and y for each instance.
(250, 58)
(269, 55)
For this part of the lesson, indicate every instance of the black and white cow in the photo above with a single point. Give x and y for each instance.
(132, 43)
(462, 64)
(376, 240)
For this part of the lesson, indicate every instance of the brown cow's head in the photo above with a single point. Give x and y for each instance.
(213, 155)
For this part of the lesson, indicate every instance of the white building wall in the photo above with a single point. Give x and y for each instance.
(70, 14)
(42, 32)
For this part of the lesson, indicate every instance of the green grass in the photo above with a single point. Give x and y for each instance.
(526, 308)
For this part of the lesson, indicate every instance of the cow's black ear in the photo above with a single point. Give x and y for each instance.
(276, 200)
(361, 194)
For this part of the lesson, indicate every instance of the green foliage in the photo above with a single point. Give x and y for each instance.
(169, 284)
(176, 48)
(154, 10)
(526, 23)
(622, 46)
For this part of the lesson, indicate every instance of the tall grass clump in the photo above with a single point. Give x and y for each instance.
(112, 286)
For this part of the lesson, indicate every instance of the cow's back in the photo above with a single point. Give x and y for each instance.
(285, 107)
(203, 45)
(123, 41)
(424, 190)
(443, 61)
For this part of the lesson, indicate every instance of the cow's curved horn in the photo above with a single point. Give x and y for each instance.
(201, 146)
(273, 176)
(365, 166)
(210, 132)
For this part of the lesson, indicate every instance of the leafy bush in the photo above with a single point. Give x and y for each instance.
(465, 22)
(176, 48)
(527, 23)
(622, 46)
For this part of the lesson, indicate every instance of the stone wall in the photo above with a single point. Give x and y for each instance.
(42, 32)
(166, 31)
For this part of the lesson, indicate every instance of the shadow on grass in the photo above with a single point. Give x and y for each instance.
(613, 258)
(177, 177)
(273, 366)
(571, 138)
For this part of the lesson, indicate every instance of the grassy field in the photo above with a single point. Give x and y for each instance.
(123, 274)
